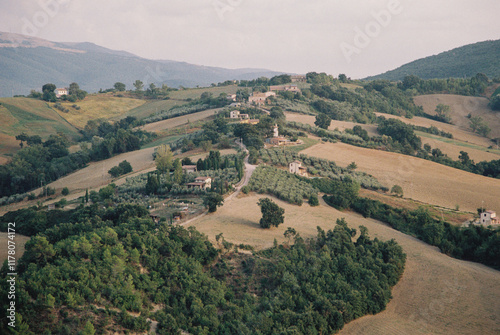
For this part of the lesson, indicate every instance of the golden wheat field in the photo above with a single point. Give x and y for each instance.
(420, 179)
(453, 297)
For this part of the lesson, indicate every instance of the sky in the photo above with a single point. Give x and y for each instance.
(356, 37)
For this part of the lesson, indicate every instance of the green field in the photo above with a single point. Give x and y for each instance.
(33, 117)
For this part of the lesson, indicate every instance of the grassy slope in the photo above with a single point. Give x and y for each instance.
(98, 106)
(33, 117)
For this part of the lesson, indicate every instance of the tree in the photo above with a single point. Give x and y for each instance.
(206, 145)
(177, 171)
(427, 147)
(89, 329)
(495, 103)
(353, 166)
(213, 200)
(313, 200)
(323, 121)
(125, 167)
(65, 191)
(410, 81)
(48, 87)
(345, 193)
(272, 214)
(397, 190)
(464, 157)
(48, 92)
(443, 113)
(164, 158)
(289, 233)
(139, 85)
(475, 122)
(119, 86)
(73, 89)
(152, 184)
(484, 130)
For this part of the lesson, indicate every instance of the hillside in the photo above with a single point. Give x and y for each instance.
(33, 117)
(465, 61)
(461, 107)
(437, 303)
(27, 63)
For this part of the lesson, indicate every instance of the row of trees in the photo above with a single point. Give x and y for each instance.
(475, 243)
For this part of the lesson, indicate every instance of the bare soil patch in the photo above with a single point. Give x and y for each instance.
(436, 295)
(20, 241)
(420, 179)
(461, 106)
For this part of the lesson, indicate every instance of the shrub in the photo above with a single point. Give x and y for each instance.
(397, 190)
(65, 191)
(313, 200)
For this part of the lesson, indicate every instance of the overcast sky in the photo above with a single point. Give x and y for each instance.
(355, 37)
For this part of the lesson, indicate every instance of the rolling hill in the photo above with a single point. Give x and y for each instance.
(27, 63)
(465, 61)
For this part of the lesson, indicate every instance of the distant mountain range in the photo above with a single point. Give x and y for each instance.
(465, 61)
(27, 63)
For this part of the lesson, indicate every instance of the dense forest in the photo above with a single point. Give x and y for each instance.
(94, 266)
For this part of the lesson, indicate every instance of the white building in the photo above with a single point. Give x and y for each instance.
(296, 167)
(60, 92)
(234, 114)
(488, 218)
(276, 132)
